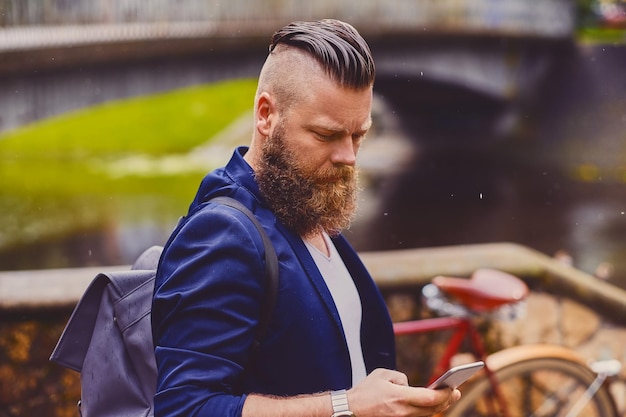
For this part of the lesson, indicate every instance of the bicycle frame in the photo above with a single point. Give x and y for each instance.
(459, 301)
(463, 328)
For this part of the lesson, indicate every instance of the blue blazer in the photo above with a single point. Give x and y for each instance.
(208, 293)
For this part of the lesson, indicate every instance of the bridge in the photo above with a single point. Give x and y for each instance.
(56, 56)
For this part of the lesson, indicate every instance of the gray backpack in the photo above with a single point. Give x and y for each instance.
(108, 338)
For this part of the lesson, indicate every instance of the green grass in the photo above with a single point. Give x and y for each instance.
(593, 35)
(69, 174)
(66, 154)
(171, 122)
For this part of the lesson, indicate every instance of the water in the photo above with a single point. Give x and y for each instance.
(544, 168)
(483, 197)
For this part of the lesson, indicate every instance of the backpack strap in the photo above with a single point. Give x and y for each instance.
(271, 268)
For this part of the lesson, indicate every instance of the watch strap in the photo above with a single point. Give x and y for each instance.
(339, 399)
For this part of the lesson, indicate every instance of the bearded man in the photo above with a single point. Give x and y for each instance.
(329, 349)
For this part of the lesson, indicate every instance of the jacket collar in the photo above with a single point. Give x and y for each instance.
(241, 173)
(229, 180)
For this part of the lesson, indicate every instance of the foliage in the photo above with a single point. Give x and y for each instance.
(602, 35)
(594, 25)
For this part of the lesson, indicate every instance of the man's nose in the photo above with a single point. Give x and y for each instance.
(345, 151)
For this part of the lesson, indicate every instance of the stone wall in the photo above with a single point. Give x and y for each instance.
(30, 385)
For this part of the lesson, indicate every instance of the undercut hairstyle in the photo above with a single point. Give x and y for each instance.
(337, 47)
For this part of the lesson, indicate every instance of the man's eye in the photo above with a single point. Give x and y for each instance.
(358, 137)
(325, 136)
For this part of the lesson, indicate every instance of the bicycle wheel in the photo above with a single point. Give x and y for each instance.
(536, 387)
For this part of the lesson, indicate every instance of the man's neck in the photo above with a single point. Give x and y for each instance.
(319, 242)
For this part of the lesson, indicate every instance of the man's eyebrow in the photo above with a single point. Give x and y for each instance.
(339, 129)
(366, 126)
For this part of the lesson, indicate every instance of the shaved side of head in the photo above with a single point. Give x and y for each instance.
(338, 51)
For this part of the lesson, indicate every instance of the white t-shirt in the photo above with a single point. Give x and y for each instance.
(347, 301)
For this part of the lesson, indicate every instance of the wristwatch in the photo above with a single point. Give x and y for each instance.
(340, 404)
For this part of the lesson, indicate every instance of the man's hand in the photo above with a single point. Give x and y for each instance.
(387, 393)
(383, 393)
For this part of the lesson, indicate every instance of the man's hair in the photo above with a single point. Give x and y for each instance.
(336, 45)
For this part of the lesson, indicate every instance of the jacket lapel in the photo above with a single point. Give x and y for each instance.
(311, 270)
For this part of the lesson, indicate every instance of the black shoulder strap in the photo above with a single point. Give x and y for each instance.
(271, 268)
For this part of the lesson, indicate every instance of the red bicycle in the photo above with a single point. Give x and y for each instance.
(521, 381)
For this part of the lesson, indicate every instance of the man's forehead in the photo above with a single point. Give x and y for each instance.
(336, 124)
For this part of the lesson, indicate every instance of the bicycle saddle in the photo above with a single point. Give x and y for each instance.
(485, 290)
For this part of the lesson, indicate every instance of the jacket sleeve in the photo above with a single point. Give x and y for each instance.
(206, 306)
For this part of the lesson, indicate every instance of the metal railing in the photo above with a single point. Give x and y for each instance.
(547, 18)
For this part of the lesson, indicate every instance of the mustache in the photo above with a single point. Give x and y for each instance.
(342, 173)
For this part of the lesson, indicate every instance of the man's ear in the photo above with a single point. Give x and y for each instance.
(265, 114)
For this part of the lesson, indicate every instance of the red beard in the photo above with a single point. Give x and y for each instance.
(307, 203)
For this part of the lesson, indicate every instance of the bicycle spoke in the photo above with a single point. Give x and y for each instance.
(555, 402)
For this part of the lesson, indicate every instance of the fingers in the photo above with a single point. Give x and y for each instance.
(386, 392)
(430, 401)
(425, 397)
(394, 377)
(456, 396)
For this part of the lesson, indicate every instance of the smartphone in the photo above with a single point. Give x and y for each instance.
(457, 375)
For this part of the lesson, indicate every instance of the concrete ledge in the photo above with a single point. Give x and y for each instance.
(46, 288)
(542, 272)
(392, 270)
